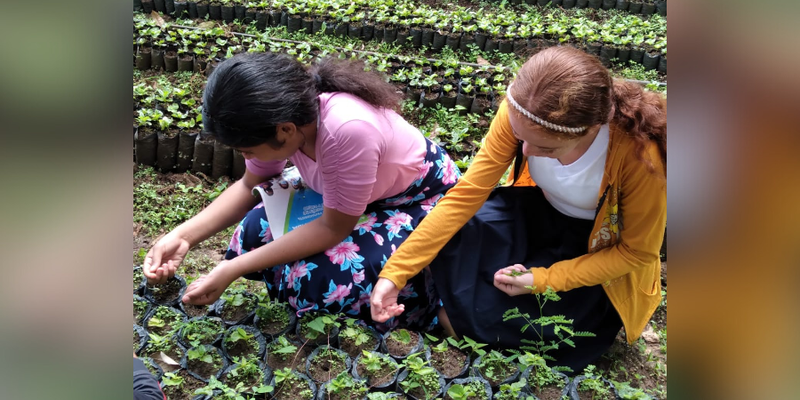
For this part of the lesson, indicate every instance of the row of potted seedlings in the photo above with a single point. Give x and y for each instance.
(579, 28)
(403, 14)
(644, 7)
(245, 345)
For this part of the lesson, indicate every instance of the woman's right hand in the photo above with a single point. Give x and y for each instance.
(383, 301)
(164, 257)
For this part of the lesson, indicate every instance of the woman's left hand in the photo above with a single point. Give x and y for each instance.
(512, 280)
(208, 288)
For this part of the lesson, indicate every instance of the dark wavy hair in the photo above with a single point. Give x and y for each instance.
(568, 87)
(249, 94)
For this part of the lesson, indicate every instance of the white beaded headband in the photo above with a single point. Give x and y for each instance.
(540, 121)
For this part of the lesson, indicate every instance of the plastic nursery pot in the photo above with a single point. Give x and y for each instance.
(203, 154)
(141, 308)
(452, 40)
(231, 380)
(186, 389)
(284, 389)
(398, 350)
(185, 151)
(647, 8)
(147, 6)
(476, 371)
(322, 393)
(223, 161)
(167, 151)
(608, 4)
(464, 381)
(322, 366)
(349, 346)
(153, 367)
(273, 327)
(166, 294)
(239, 12)
(139, 281)
(277, 361)
(157, 59)
(662, 64)
(582, 4)
(427, 37)
(262, 19)
(439, 40)
(143, 58)
(635, 7)
(439, 362)
(191, 8)
(404, 375)
(382, 381)
(202, 10)
(429, 99)
(203, 370)
(140, 338)
(480, 105)
(236, 315)
(576, 394)
(637, 55)
(547, 392)
(569, 3)
(622, 5)
(171, 318)
(256, 347)
(193, 311)
(661, 7)
(650, 61)
(331, 339)
(145, 143)
(227, 13)
(205, 330)
(160, 6)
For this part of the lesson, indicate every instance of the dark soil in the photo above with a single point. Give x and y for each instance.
(291, 389)
(205, 369)
(378, 378)
(230, 313)
(175, 353)
(167, 292)
(195, 310)
(271, 328)
(503, 373)
(449, 362)
(326, 367)
(248, 381)
(590, 395)
(400, 349)
(549, 393)
(348, 345)
(167, 328)
(186, 391)
(292, 362)
(419, 392)
(243, 347)
(350, 394)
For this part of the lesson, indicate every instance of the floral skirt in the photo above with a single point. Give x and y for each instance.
(340, 279)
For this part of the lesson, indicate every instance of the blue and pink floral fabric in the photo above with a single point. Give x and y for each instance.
(341, 278)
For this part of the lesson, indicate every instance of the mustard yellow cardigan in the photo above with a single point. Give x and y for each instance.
(623, 249)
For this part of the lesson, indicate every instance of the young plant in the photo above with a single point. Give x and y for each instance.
(346, 387)
(511, 391)
(322, 325)
(471, 390)
(401, 335)
(593, 383)
(561, 326)
(496, 367)
(286, 380)
(282, 348)
(421, 378)
(202, 330)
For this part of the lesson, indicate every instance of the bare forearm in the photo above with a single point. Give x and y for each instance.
(230, 207)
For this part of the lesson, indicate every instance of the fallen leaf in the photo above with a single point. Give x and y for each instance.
(157, 17)
(206, 25)
(481, 60)
(167, 359)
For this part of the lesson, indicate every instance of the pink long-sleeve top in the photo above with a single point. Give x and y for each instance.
(363, 154)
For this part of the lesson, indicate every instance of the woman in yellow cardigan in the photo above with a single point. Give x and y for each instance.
(591, 228)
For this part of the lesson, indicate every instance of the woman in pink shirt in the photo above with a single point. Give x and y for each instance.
(378, 175)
